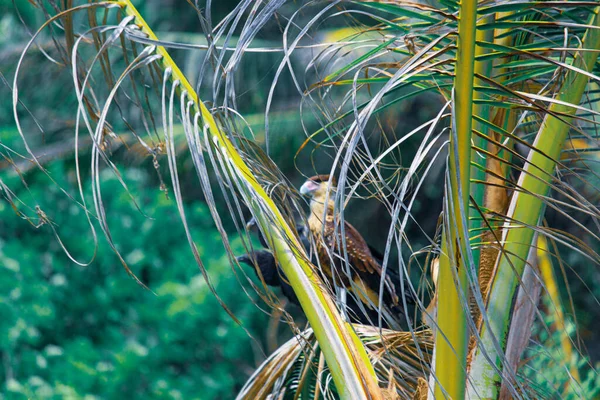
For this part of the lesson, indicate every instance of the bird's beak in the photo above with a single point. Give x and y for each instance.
(308, 187)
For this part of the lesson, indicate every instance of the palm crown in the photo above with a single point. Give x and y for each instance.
(513, 85)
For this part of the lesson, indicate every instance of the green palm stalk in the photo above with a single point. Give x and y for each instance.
(451, 335)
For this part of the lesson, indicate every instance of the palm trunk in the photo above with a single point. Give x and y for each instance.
(451, 344)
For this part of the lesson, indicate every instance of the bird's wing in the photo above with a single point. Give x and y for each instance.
(359, 254)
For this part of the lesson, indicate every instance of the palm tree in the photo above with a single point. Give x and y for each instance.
(515, 87)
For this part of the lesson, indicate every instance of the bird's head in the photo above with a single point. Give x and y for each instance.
(252, 225)
(316, 186)
(257, 257)
(264, 260)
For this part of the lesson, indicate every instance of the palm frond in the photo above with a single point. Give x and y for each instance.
(286, 371)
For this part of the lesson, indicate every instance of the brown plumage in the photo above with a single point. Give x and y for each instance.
(365, 270)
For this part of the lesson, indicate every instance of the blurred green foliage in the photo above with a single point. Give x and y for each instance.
(548, 370)
(68, 331)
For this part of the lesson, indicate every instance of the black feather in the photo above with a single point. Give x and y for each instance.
(272, 274)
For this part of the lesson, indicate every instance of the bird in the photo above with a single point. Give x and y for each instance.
(274, 276)
(270, 271)
(365, 270)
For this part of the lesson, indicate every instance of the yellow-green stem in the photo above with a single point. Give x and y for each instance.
(451, 337)
(560, 325)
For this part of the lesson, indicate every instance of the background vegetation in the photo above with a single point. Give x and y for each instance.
(68, 331)
(72, 332)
